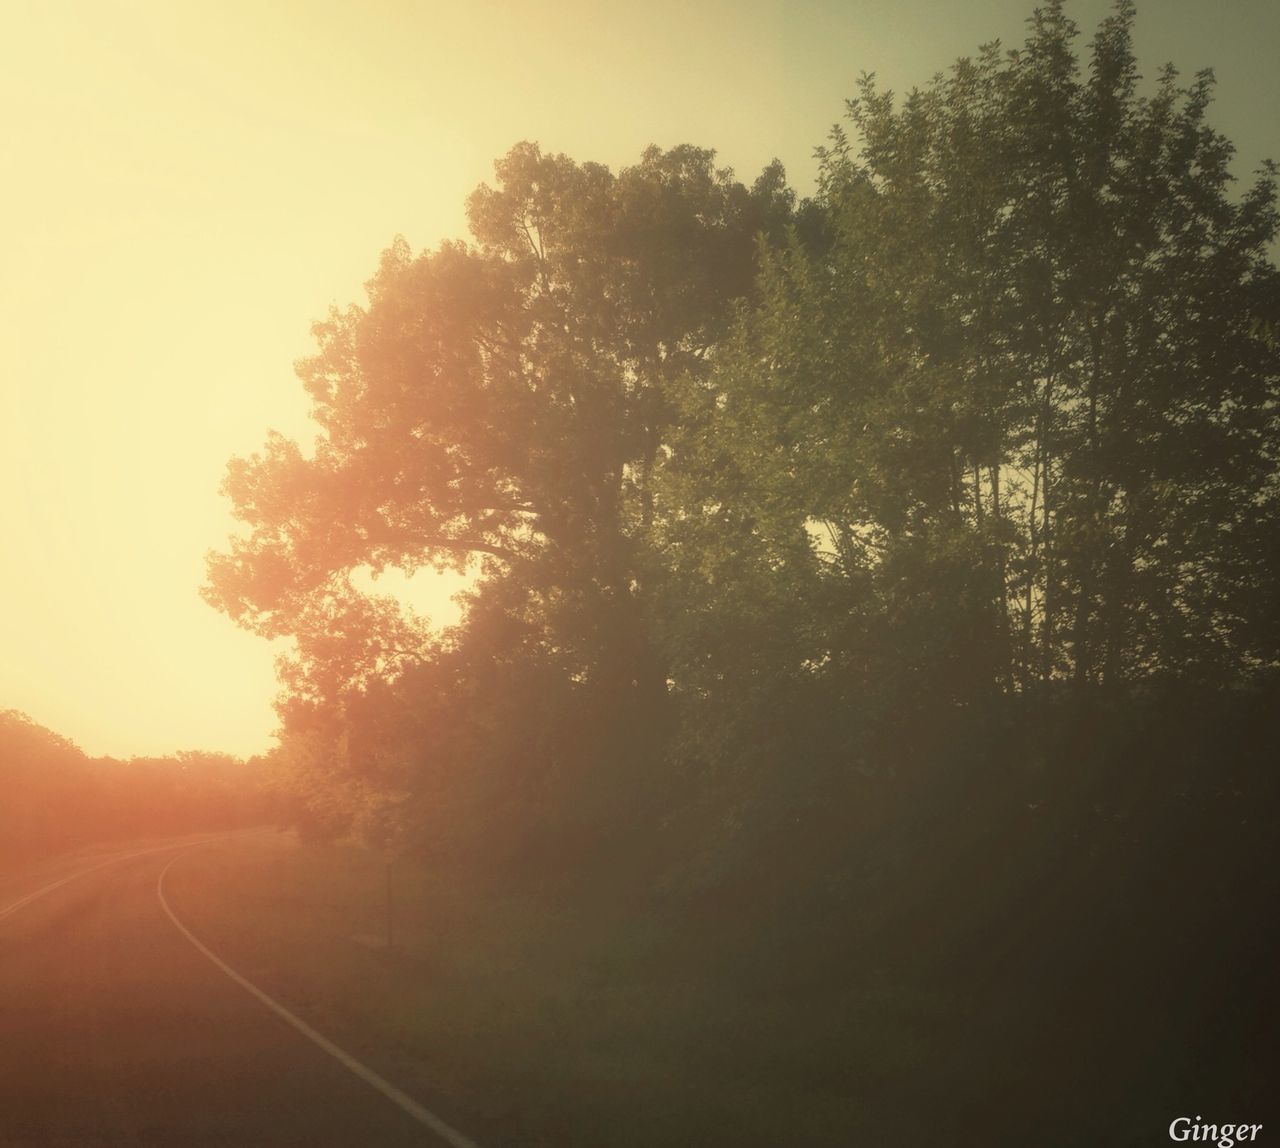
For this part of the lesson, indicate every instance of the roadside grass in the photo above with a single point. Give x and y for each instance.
(526, 1020)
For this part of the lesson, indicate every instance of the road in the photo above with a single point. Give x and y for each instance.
(116, 1030)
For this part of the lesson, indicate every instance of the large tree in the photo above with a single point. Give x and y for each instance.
(500, 406)
(1010, 417)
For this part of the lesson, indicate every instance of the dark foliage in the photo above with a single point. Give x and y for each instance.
(899, 566)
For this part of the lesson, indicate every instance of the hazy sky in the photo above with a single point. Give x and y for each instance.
(187, 185)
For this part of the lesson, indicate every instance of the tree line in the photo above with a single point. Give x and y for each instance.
(787, 513)
(57, 797)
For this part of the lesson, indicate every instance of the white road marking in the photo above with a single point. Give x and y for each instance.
(430, 1120)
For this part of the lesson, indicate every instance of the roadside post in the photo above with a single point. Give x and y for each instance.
(390, 903)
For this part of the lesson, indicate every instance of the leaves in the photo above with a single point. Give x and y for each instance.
(984, 420)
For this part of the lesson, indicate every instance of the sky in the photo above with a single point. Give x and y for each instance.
(187, 186)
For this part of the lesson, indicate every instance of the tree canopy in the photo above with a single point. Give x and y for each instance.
(56, 796)
(1009, 417)
(499, 403)
(985, 423)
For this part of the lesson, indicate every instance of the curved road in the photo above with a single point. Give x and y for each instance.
(115, 1030)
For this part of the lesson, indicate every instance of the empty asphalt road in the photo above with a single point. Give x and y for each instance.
(115, 1030)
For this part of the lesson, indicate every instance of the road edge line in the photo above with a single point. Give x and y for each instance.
(406, 1103)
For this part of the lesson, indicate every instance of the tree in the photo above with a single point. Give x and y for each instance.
(55, 796)
(500, 407)
(1010, 413)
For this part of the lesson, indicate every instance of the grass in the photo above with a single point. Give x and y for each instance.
(573, 1018)
(527, 1020)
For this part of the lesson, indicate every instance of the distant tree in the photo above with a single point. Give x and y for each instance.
(55, 796)
(44, 778)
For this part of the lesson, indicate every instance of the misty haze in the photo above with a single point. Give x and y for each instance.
(595, 576)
